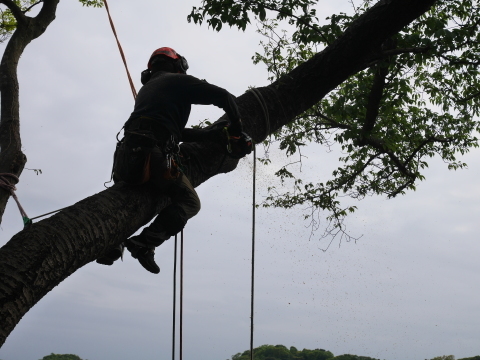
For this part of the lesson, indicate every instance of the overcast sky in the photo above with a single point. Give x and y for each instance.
(408, 289)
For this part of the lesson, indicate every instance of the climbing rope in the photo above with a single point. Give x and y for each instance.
(181, 296)
(175, 297)
(252, 291)
(264, 107)
(258, 95)
(132, 86)
(7, 182)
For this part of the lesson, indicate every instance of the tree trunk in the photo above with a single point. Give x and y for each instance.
(12, 159)
(37, 259)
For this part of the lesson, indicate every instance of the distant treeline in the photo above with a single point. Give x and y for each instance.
(53, 356)
(281, 352)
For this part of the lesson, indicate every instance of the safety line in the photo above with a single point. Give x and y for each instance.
(132, 86)
(181, 295)
(174, 296)
(51, 212)
(264, 107)
(253, 252)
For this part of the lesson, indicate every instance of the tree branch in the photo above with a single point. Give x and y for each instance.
(431, 139)
(473, 96)
(375, 96)
(460, 62)
(331, 122)
(16, 11)
(31, 6)
(388, 53)
(316, 29)
(401, 188)
(414, 50)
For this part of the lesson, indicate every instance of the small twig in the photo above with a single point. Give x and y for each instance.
(413, 50)
(31, 6)
(469, 97)
(298, 19)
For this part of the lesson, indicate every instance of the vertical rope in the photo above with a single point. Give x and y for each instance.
(181, 296)
(253, 251)
(174, 296)
(132, 86)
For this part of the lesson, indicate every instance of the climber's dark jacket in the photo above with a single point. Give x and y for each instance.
(166, 99)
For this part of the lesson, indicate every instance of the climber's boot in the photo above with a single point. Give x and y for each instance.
(143, 253)
(111, 255)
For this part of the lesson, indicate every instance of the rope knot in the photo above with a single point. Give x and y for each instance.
(8, 181)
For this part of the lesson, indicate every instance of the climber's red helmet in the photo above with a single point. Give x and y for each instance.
(181, 63)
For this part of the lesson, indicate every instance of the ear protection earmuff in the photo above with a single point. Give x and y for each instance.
(145, 76)
(182, 64)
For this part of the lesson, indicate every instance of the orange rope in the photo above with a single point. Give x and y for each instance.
(134, 92)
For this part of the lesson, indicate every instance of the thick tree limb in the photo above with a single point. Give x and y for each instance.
(37, 259)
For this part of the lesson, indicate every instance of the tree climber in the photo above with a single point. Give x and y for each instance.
(147, 152)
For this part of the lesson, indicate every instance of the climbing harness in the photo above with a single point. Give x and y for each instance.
(131, 160)
(174, 165)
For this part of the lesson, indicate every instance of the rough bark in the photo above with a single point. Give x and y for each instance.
(12, 159)
(37, 259)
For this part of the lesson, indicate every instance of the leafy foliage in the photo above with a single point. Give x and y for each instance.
(419, 98)
(280, 352)
(8, 22)
(237, 13)
(93, 3)
(352, 357)
(53, 356)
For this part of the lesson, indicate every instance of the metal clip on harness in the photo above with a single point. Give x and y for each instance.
(238, 146)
